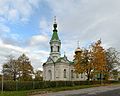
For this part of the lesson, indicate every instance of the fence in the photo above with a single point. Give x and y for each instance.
(28, 85)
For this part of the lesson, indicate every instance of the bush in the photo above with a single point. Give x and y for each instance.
(28, 85)
(9, 86)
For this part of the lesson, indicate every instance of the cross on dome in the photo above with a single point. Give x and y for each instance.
(54, 19)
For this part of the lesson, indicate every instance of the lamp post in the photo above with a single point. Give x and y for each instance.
(33, 77)
(2, 79)
(16, 85)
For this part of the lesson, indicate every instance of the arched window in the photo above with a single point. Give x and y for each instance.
(51, 48)
(72, 74)
(58, 49)
(81, 75)
(57, 73)
(77, 75)
(49, 75)
(64, 73)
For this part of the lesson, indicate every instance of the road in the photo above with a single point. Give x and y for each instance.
(111, 90)
(115, 92)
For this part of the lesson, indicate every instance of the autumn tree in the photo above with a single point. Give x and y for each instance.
(77, 60)
(26, 69)
(99, 59)
(87, 63)
(96, 62)
(83, 64)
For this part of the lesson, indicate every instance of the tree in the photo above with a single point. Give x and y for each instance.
(38, 75)
(11, 69)
(99, 59)
(115, 74)
(87, 62)
(26, 69)
(20, 68)
(83, 62)
(77, 60)
(113, 59)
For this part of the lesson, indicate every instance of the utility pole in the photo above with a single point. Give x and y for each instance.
(2, 80)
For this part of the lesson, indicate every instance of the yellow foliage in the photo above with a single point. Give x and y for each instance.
(92, 60)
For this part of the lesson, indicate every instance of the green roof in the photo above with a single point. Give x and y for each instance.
(55, 35)
(71, 62)
(59, 60)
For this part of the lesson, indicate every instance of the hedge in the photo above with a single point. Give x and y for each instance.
(28, 85)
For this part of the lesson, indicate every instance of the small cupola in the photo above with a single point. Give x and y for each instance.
(78, 48)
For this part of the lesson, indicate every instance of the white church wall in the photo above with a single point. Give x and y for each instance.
(48, 72)
(59, 70)
(57, 73)
(76, 76)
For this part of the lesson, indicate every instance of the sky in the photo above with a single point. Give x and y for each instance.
(26, 26)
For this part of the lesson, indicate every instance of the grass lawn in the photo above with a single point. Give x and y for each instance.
(41, 91)
(14, 93)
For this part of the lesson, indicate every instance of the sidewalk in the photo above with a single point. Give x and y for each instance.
(90, 91)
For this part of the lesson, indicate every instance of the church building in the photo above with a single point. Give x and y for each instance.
(58, 68)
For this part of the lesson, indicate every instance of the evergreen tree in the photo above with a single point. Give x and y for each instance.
(26, 69)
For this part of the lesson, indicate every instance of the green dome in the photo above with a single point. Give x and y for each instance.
(55, 35)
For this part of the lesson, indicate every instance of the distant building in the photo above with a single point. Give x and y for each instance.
(58, 68)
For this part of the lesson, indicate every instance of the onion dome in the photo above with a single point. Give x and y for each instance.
(78, 50)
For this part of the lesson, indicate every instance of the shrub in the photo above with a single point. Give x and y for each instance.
(28, 85)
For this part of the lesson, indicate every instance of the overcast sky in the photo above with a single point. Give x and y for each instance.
(26, 26)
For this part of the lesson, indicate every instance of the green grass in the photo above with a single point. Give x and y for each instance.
(14, 93)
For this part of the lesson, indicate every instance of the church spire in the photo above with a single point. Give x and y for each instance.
(54, 19)
(78, 44)
(55, 34)
(55, 43)
(78, 48)
(55, 24)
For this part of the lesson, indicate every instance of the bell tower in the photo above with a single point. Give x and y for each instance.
(55, 43)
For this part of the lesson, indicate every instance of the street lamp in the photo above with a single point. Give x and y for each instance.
(33, 77)
(2, 79)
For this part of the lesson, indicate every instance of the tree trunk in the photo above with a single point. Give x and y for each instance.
(14, 76)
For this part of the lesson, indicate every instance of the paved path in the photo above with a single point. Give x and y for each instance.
(87, 91)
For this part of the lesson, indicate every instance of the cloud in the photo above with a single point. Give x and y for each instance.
(87, 21)
(4, 29)
(14, 11)
(83, 20)
(37, 56)
(13, 15)
(18, 10)
(8, 49)
(11, 47)
(45, 26)
(37, 39)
